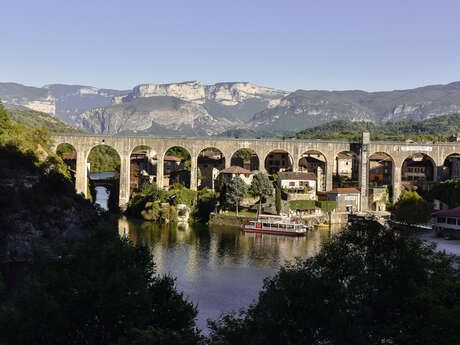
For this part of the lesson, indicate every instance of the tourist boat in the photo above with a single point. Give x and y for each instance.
(276, 225)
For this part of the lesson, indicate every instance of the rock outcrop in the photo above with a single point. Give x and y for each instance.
(193, 108)
(228, 94)
(303, 109)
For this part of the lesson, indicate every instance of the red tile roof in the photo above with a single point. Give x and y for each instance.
(172, 158)
(453, 212)
(70, 156)
(235, 170)
(379, 157)
(291, 175)
(344, 156)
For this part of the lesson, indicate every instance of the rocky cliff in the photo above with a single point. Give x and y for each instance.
(303, 109)
(192, 108)
(160, 115)
(65, 102)
(229, 94)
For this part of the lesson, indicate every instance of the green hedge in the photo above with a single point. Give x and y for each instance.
(301, 204)
(305, 204)
(326, 205)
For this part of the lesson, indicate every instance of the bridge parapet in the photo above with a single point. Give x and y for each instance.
(124, 145)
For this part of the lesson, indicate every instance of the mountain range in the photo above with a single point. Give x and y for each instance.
(194, 109)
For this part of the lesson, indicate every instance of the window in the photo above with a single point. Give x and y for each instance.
(441, 219)
(458, 221)
(451, 221)
(291, 184)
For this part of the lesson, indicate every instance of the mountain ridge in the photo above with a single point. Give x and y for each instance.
(200, 109)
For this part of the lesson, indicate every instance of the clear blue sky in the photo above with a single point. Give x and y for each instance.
(309, 44)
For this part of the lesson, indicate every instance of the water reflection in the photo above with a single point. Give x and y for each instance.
(219, 268)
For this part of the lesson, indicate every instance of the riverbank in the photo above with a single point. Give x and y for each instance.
(234, 221)
(228, 220)
(442, 245)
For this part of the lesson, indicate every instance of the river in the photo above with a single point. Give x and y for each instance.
(102, 194)
(219, 269)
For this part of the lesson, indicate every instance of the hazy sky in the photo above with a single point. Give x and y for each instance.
(320, 44)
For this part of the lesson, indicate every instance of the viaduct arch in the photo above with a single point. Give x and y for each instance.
(124, 145)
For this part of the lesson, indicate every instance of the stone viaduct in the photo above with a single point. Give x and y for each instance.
(124, 145)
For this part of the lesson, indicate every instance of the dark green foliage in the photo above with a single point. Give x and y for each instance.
(367, 286)
(244, 154)
(103, 158)
(222, 192)
(278, 200)
(434, 129)
(101, 290)
(261, 187)
(5, 122)
(237, 190)
(446, 191)
(149, 196)
(410, 209)
(149, 192)
(206, 203)
(326, 205)
(64, 150)
(178, 152)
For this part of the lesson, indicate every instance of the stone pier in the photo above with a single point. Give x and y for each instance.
(397, 151)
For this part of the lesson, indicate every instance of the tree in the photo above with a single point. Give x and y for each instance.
(236, 192)
(244, 154)
(261, 187)
(222, 192)
(5, 122)
(367, 285)
(101, 290)
(278, 200)
(411, 209)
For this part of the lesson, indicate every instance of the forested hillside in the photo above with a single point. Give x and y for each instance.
(36, 119)
(434, 129)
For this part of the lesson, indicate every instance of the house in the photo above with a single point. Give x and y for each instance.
(209, 164)
(347, 199)
(297, 181)
(454, 138)
(314, 162)
(251, 164)
(346, 165)
(380, 169)
(278, 160)
(71, 160)
(447, 222)
(451, 168)
(417, 168)
(378, 198)
(309, 211)
(233, 171)
(172, 164)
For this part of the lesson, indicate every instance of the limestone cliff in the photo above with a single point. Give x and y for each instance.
(303, 109)
(192, 108)
(166, 114)
(193, 91)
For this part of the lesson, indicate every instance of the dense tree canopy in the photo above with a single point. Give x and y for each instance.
(437, 129)
(101, 290)
(367, 286)
(103, 158)
(411, 209)
(261, 187)
(244, 154)
(236, 191)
